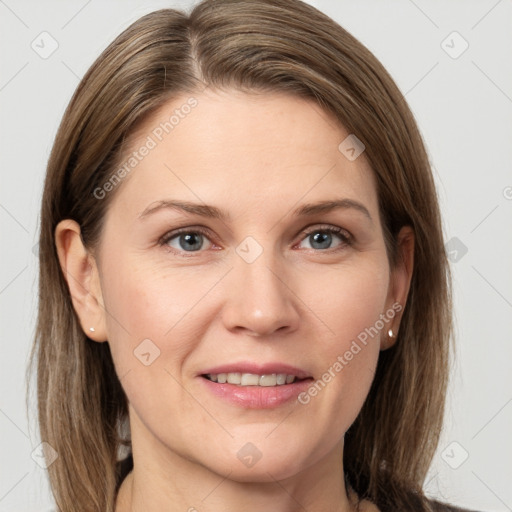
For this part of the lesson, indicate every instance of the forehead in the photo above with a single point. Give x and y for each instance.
(242, 152)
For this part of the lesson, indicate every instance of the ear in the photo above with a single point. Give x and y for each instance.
(81, 273)
(400, 282)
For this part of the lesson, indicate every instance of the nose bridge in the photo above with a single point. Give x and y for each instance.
(259, 301)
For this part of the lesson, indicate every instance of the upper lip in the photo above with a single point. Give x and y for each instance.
(257, 369)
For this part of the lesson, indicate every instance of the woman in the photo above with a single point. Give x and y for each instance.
(244, 295)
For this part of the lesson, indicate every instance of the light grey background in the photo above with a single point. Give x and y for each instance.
(464, 108)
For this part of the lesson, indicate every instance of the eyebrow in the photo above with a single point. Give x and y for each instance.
(202, 210)
(208, 211)
(327, 206)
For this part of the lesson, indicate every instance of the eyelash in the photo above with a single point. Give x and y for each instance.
(345, 237)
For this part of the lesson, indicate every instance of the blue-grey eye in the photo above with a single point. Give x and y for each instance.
(324, 238)
(190, 241)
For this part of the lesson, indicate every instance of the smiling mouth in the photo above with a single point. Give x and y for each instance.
(252, 379)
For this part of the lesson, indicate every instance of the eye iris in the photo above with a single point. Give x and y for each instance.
(191, 241)
(324, 239)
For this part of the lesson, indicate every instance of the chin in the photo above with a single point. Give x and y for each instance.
(261, 472)
(268, 464)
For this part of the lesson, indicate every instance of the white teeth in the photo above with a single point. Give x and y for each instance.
(281, 379)
(251, 379)
(268, 380)
(234, 378)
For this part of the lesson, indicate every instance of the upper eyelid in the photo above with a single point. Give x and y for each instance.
(325, 227)
(186, 229)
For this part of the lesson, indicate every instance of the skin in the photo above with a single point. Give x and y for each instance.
(259, 157)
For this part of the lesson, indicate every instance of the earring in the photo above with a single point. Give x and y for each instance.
(91, 329)
(390, 333)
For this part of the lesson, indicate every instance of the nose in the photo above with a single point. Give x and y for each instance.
(259, 300)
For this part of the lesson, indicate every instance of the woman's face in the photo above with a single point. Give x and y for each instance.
(255, 283)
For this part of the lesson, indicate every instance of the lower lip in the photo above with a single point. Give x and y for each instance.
(257, 397)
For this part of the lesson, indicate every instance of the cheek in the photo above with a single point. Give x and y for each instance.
(351, 302)
(145, 302)
(347, 300)
(152, 328)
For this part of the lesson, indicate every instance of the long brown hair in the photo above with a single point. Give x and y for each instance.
(249, 45)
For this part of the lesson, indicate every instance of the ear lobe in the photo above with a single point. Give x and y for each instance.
(81, 273)
(400, 282)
